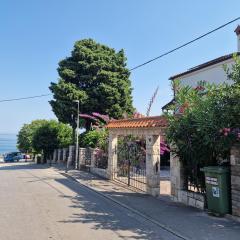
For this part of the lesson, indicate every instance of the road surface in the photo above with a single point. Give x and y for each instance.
(38, 203)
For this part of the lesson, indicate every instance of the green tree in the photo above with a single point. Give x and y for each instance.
(94, 139)
(97, 76)
(51, 135)
(25, 135)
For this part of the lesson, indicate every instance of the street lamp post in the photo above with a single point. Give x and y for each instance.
(77, 129)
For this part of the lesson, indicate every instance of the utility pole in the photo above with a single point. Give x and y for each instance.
(77, 130)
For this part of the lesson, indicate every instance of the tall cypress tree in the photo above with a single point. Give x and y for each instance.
(97, 76)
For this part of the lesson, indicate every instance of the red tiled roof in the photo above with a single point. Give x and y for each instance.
(146, 122)
(204, 65)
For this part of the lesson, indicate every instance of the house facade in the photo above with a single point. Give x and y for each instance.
(209, 72)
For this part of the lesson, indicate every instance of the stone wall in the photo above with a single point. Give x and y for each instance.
(68, 155)
(55, 155)
(176, 175)
(65, 154)
(81, 157)
(192, 199)
(59, 159)
(178, 192)
(99, 171)
(235, 179)
(71, 155)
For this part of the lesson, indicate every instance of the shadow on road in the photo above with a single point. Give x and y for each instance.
(179, 217)
(22, 166)
(102, 213)
(107, 215)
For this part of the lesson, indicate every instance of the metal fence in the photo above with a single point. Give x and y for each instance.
(131, 164)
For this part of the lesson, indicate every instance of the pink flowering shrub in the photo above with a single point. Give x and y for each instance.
(231, 132)
(208, 127)
(164, 149)
(94, 120)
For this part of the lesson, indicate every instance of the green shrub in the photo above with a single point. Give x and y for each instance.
(208, 126)
(94, 139)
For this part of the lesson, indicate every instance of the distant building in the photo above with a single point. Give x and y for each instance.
(211, 71)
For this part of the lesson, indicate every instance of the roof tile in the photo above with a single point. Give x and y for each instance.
(145, 122)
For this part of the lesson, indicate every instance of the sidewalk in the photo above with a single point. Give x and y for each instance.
(180, 219)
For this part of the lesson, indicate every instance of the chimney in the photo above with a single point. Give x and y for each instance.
(237, 31)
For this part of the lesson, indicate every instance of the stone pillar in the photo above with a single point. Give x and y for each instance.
(64, 154)
(62, 150)
(76, 159)
(176, 175)
(71, 155)
(235, 179)
(55, 155)
(93, 157)
(81, 157)
(59, 155)
(112, 156)
(153, 164)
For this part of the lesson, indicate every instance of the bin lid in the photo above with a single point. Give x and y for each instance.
(215, 169)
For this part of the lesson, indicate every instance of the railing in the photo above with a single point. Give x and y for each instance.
(194, 187)
(100, 159)
(93, 157)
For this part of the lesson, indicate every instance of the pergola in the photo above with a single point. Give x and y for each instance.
(152, 128)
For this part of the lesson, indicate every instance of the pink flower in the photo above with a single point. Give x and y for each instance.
(200, 88)
(87, 116)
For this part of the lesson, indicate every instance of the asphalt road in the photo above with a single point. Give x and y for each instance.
(38, 203)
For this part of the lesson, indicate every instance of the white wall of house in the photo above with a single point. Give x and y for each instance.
(212, 74)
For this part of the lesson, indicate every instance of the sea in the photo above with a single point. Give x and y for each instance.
(8, 142)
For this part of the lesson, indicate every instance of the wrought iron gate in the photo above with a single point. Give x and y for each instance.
(131, 165)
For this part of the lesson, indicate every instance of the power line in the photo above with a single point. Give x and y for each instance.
(23, 98)
(185, 44)
(145, 63)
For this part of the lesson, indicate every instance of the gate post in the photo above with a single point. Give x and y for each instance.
(55, 155)
(235, 179)
(71, 155)
(82, 158)
(59, 155)
(153, 164)
(112, 156)
(93, 157)
(176, 175)
(63, 154)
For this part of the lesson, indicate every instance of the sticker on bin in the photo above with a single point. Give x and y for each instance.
(212, 181)
(216, 192)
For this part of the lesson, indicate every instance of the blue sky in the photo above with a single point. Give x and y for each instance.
(35, 35)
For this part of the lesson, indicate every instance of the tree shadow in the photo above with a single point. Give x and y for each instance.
(101, 213)
(105, 214)
(22, 166)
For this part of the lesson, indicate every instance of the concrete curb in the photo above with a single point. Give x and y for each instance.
(166, 228)
(231, 217)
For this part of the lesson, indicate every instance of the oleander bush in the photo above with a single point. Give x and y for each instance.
(208, 126)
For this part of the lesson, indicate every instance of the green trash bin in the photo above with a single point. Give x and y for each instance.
(217, 181)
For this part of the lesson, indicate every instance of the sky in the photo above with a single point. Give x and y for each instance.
(36, 35)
